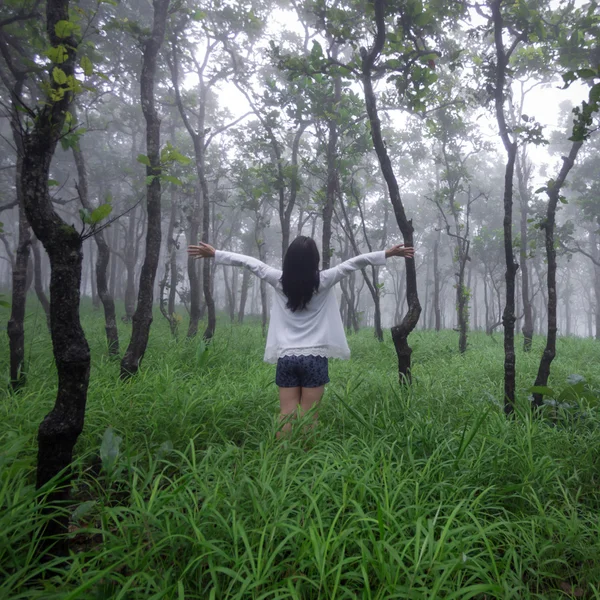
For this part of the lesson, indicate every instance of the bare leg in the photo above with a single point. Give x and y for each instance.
(289, 400)
(310, 398)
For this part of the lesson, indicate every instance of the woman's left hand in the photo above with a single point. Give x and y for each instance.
(202, 250)
(400, 250)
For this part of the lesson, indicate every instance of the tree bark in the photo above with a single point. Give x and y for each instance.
(200, 219)
(167, 306)
(93, 283)
(527, 329)
(332, 167)
(548, 225)
(129, 259)
(38, 284)
(401, 331)
(60, 429)
(112, 285)
(15, 328)
(508, 316)
(110, 317)
(436, 283)
(142, 319)
(595, 239)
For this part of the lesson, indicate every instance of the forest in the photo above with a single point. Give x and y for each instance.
(457, 451)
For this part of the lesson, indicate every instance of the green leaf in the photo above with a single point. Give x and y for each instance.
(87, 66)
(587, 73)
(52, 182)
(4, 304)
(173, 180)
(59, 76)
(142, 158)
(85, 216)
(57, 54)
(100, 213)
(544, 390)
(82, 510)
(150, 179)
(316, 50)
(109, 449)
(202, 354)
(64, 29)
(575, 378)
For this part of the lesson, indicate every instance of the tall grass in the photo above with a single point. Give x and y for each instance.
(425, 492)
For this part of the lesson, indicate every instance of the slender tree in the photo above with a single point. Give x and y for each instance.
(110, 318)
(548, 225)
(142, 319)
(401, 331)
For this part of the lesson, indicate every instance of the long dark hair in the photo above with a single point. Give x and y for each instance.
(300, 278)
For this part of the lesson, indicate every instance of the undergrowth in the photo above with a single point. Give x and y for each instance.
(182, 492)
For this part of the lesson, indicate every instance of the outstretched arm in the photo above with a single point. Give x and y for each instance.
(331, 276)
(260, 269)
(400, 250)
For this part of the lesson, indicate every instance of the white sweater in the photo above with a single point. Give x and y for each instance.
(316, 330)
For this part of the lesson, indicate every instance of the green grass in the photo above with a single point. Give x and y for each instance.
(426, 492)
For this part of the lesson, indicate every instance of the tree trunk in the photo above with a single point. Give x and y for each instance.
(462, 307)
(401, 331)
(474, 304)
(37, 280)
(110, 316)
(332, 167)
(15, 328)
(167, 306)
(262, 255)
(142, 319)
(567, 303)
(596, 253)
(553, 197)
(508, 316)
(130, 261)
(243, 295)
(527, 328)
(93, 281)
(112, 285)
(436, 283)
(60, 429)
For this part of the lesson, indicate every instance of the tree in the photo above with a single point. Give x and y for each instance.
(41, 129)
(142, 319)
(457, 142)
(112, 334)
(15, 71)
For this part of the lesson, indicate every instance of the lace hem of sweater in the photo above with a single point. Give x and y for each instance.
(327, 352)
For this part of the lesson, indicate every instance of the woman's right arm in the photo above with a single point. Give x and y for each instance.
(259, 268)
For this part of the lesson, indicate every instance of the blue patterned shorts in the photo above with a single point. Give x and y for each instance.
(302, 371)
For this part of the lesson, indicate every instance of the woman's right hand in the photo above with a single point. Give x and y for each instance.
(202, 250)
(400, 250)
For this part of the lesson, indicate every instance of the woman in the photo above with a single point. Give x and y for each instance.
(305, 327)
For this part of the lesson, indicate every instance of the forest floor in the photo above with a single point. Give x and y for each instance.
(183, 492)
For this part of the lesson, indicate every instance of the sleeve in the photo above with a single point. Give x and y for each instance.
(260, 269)
(332, 276)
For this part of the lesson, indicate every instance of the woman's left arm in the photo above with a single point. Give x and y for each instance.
(332, 276)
